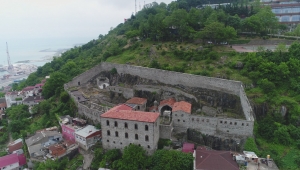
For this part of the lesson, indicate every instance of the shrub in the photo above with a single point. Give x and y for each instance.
(114, 71)
(163, 142)
(213, 55)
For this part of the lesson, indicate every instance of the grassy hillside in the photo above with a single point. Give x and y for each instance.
(271, 78)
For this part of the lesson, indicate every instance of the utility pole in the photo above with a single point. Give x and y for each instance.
(135, 7)
(10, 66)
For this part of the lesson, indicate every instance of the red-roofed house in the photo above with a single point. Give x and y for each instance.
(213, 160)
(181, 113)
(33, 100)
(166, 105)
(57, 150)
(12, 161)
(139, 102)
(38, 88)
(28, 91)
(121, 128)
(15, 145)
(188, 148)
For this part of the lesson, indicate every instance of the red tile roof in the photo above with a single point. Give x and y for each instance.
(3, 105)
(153, 108)
(39, 85)
(15, 145)
(28, 88)
(169, 102)
(182, 106)
(116, 113)
(214, 160)
(57, 150)
(122, 107)
(137, 100)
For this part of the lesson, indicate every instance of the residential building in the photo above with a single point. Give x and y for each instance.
(2, 104)
(252, 161)
(12, 161)
(33, 100)
(2, 115)
(122, 126)
(181, 112)
(57, 150)
(38, 89)
(68, 131)
(13, 98)
(213, 160)
(40, 140)
(137, 103)
(15, 145)
(69, 126)
(87, 136)
(28, 91)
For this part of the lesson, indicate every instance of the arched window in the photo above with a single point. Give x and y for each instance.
(117, 134)
(136, 137)
(126, 135)
(135, 126)
(108, 133)
(125, 125)
(107, 122)
(146, 138)
(116, 124)
(146, 128)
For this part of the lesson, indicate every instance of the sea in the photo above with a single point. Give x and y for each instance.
(36, 51)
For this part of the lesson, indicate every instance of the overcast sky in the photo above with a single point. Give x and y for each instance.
(31, 19)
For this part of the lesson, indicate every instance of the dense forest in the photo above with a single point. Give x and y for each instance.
(174, 37)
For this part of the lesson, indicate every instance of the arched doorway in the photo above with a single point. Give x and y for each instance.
(165, 108)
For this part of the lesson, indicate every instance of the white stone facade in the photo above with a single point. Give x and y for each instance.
(117, 133)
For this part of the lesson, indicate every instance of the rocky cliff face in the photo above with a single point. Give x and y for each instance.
(214, 142)
(198, 97)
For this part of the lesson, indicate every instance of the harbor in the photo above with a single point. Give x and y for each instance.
(20, 72)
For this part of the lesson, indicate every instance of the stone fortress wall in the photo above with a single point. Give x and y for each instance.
(207, 125)
(92, 113)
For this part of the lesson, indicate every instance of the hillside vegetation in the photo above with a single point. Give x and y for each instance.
(174, 37)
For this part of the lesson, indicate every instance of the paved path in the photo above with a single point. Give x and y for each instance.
(241, 48)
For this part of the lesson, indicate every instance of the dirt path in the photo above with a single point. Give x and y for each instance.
(87, 159)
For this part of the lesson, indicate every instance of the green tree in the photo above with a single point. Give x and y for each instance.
(171, 160)
(217, 32)
(267, 19)
(296, 31)
(109, 158)
(134, 158)
(234, 21)
(282, 136)
(56, 81)
(252, 24)
(250, 145)
(281, 48)
(294, 50)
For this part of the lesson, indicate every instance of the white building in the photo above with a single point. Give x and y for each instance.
(13, 98)
(87, 136)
